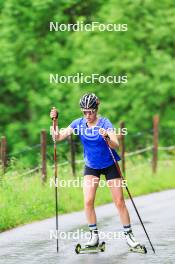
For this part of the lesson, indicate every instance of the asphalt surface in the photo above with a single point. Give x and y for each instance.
(32, 244)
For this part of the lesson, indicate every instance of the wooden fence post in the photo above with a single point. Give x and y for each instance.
(72, 154)
(4, 153)
(43, 156)
(155, 142)
(122, 147)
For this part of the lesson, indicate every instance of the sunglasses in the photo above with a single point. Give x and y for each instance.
(90, 112)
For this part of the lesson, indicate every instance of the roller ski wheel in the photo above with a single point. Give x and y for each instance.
(78, 248)
(102, 247)
(90, 249)
(138, 249)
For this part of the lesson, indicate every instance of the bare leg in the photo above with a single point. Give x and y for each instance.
(89, 188)
(118, 198)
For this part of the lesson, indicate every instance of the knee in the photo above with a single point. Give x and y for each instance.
(89, 203)
(120, 204)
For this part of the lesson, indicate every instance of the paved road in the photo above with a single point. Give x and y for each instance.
(31, 243)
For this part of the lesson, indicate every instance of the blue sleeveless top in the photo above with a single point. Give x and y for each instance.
(96, 152)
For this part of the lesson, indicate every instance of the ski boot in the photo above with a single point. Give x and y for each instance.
(92, 246)
(134, 246)
(94, 239)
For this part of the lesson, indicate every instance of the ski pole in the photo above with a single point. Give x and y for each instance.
(130, 196)
(56, 177)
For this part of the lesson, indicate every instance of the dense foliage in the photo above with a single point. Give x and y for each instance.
(29, 52)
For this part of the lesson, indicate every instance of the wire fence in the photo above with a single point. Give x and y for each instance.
(68, 151)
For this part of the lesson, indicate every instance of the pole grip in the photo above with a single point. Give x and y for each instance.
(55, 119)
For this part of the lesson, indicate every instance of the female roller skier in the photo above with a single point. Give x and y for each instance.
(92, 130)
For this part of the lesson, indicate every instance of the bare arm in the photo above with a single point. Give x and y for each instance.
(111, 138)
(61, 134)
(64, 133)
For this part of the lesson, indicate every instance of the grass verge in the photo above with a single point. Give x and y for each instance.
(25, 199)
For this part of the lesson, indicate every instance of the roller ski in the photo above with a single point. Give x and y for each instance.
(92, 246)
(134, 246)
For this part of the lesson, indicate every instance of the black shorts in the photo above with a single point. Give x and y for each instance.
(110, 172)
